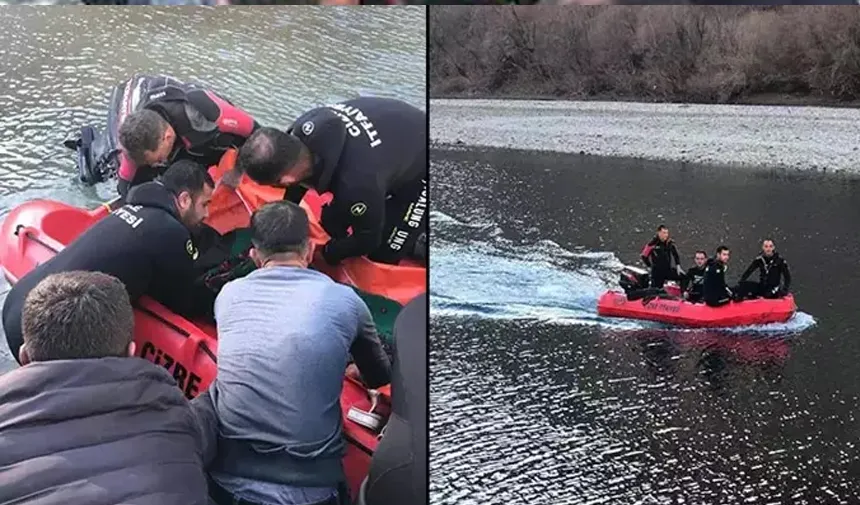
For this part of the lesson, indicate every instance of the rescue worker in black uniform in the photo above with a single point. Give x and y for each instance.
(371, 154)
(692, 284)
(146, 244)
(773, 271)
(658, 255)
(174, 120)
(716, 291)
(398, 470)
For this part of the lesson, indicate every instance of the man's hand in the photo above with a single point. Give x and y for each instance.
(352, 372)
(679, 270)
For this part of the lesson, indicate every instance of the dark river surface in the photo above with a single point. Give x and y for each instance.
(535, 399)
(58, 65)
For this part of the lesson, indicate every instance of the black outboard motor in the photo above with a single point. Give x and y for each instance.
(97, 153)
(633, 279)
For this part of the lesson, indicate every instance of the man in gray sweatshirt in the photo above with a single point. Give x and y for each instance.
(285, 333)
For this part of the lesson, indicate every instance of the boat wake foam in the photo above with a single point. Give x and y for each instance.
(477, 273)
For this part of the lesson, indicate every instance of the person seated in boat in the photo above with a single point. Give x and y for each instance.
(774, 275)
(285, 333)
(371, 154)
(692, 283)
(715, 291)
(84, 421)
(398, 471)
(175, 120)
(146, 244)
(658, 254)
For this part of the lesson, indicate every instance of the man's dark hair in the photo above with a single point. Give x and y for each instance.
(662, 227)
(703, 253)
(141, 132)
(768, 240)
(268, 154)
(186, 175)
(721, 249)
(77, 315)
(280, 227)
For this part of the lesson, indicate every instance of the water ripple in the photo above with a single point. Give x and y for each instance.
(59, 64)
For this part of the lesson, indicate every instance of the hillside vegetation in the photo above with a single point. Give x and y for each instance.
(722, 54)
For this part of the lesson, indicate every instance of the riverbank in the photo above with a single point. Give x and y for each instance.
(819, 139)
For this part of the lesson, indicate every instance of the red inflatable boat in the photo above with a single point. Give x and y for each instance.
(698, 315)
(33, 232)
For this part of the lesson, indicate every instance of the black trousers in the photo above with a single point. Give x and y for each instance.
(751, 289)
(710, 302)
(694, 297)
(659, 276)
(405, 221)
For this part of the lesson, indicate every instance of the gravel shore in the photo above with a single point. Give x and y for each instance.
(794, 138)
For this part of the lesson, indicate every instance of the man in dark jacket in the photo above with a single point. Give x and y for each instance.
(175, 120)
(658, 255)
(83, 421)
(147, 244)
(774, 276)
(693, 282)
(398, 471)
(716, 291)
(371, 154)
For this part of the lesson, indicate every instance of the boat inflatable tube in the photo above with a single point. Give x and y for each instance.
(665, 305)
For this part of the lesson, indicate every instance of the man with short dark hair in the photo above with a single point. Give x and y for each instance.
(83, 421)
(774, 276)
(174, 120)
(62, 299)
(714, 288)
(692, 284)
(658, 255)
(285, 333)
(146, 243)
(371, 154)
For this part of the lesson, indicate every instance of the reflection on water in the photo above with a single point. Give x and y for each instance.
(536, 399)
(57, 66)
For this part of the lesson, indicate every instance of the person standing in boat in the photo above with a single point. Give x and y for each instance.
(84, 421)
(173, 120)
(147, 244)
(714, 288)
(398, 471)
(371, 154)
(774, 275)
(692, 284)
(658, 254)
(285, 333)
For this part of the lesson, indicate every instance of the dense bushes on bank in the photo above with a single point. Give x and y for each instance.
(672, 53)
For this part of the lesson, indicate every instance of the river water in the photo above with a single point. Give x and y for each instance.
(535, 399)
(58, 65)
